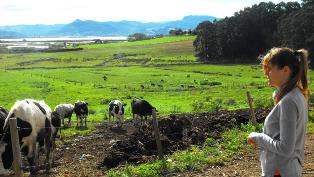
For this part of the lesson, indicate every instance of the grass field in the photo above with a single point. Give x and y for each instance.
(163, 71)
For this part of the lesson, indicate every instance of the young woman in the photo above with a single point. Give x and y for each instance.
(282, 141)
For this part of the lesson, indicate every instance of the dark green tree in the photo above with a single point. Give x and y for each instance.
(205, 43)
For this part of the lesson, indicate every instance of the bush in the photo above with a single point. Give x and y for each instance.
(206, 82)
(176, 109)
(105, 101)
(91, 111)
(207, 106)
(263, 102)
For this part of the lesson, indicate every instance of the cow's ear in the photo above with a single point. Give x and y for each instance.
(124, 104)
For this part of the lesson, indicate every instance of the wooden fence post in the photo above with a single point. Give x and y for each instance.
(250, 100)
(16, 147)
(157, 135)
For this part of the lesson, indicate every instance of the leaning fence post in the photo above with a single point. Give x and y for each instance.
(250, 100)
(157, 135)
(16, 147)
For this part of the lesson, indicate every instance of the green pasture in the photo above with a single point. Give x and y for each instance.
(169, 89)
(163, 71)
(167, 50)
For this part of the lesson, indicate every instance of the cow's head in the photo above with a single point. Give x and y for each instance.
(6, 155)
(116, 107)
(56, 122)
(119, 108)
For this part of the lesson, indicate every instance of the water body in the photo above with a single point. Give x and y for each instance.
(91, 38)
(59, 42)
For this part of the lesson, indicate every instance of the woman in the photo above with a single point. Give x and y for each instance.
(283, 137)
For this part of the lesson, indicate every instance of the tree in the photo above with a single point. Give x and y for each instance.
(137, 37)
(176, 32)
(205, 43)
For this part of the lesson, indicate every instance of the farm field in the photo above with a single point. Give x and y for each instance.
(162, 71)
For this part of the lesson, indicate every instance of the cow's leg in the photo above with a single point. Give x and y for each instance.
(49, 153)
(69, 122)
(63, 121)
(77, 120)
(119, 120)
(86, 121)
(31, 158)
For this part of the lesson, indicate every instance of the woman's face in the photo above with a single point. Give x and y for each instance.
(277, 77)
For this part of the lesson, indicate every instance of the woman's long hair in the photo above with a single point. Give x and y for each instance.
(298, 64)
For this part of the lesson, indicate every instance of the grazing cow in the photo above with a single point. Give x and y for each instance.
(141, 108)
(81, 111)
(116, 109)
(37, 124)
(65, 111)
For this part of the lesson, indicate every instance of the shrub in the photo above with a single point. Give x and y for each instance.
(175, 109)
(91, 111)
(263, 102)
(230, 102)
(105, 101)
(207, 106)
(206, 82)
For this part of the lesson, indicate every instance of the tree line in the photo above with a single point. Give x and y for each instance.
(254, 30)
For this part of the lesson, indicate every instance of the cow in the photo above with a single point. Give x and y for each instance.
(81, 111)
(141, 108)
(116, 109)
(38, 125)
(65, 111)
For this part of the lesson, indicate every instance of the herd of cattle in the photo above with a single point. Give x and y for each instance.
(38, 126)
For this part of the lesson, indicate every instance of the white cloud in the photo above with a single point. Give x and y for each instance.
(65, 11)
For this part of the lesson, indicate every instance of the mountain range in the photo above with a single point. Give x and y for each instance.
(80, 28)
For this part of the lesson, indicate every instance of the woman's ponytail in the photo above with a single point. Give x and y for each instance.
(302, 56)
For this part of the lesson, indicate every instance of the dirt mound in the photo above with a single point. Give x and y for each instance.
(177, 132)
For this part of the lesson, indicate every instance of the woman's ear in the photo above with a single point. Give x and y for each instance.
(286, 69)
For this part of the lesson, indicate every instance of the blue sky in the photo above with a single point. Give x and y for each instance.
(13, 12)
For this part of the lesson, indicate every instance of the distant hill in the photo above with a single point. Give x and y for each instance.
(9, 34)
(79, 28)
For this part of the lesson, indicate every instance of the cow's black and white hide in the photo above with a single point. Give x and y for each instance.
(3, 116)
(65, 111)
(116, 109)
(81, 111)
(141, 108)
(37, 125)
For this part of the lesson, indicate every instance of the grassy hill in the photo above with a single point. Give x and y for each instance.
(163, 71)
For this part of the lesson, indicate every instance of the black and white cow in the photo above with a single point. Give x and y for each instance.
(116, 109)
(81, 111)
(65, 111)
(37, 125)
(141, 108)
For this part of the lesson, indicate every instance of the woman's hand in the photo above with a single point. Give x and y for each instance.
(251, 141)
(251, 138)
